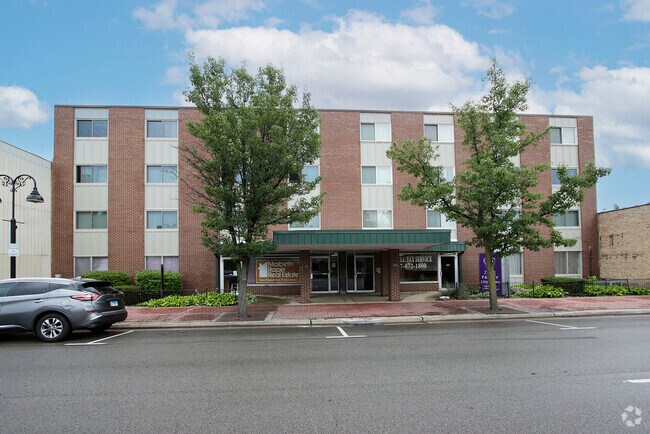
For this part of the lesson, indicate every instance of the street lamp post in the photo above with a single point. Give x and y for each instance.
(34, 197)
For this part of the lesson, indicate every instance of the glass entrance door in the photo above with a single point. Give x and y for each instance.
(448, 277)
(364, 273)
(320, 274)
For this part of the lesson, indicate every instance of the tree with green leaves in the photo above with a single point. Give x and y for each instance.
(257, 135)
(491, 194)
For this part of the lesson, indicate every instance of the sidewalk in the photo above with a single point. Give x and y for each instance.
(380, 311)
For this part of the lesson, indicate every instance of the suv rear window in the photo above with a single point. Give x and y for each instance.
(99, 287)
(4, 288)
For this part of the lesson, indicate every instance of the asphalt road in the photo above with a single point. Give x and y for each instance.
(502, 376)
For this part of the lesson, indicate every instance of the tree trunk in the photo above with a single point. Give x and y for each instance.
(489, 262)
(242, 279)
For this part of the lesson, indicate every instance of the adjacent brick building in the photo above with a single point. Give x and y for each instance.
(120, 205)
(624, 243)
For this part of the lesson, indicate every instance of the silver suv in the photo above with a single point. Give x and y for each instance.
(52, 308)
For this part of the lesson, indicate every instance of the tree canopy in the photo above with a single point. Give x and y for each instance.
(257, 135)
(492, 194)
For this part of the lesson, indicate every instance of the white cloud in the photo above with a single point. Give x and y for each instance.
(19, 107)
(169, 14)
(618, 101)
(423, 13)
(363, 62)
(636, 10)
(495, 9)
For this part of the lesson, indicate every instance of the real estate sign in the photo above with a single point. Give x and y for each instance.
(483, 277)
(277, 270)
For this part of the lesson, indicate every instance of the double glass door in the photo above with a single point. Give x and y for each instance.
(346, 271)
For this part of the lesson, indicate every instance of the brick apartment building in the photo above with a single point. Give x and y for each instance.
(120, 206)
(624, 242)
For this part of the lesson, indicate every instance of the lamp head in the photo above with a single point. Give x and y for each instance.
(35, 197)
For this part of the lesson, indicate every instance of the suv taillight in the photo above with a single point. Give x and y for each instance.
(86, 297)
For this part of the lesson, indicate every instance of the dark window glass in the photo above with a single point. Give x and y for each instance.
(367, 131)
(556, 135)
(84, 128)
(154, 129)
(30, 288)
(91, 174)
(4, 288)
(166, 129)
(431, 132)
(100, 128)
(419, 267)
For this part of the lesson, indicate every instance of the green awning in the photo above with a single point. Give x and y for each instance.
(453, 246)
(402, 239)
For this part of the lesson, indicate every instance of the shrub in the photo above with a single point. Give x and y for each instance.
(116, 278)
(150, 281)
(561, 279)
(601, 290)
(571, 285)
(634, 290)
(209, 299)
(542, 291)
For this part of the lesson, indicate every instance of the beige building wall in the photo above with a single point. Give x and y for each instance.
(34, 220)
(624, 240)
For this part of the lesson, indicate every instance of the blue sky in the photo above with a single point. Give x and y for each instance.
(586, 57)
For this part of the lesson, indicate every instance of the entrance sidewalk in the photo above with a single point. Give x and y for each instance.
(382, 312)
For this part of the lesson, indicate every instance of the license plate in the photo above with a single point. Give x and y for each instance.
(114, 303)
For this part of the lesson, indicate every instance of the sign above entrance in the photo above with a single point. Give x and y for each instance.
(277, 270)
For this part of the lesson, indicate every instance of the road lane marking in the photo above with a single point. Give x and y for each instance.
(562, 326)
(639, 381)
(99, 341)
(343, 335)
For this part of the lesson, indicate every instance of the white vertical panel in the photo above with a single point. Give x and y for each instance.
(371, 118)
(90, 113)
(90, 243)
(563, 122)
(377, 196)
(438, 119)
(382, 132)
(374, 154)
(91, 197)
(564, 155)
(161, 243)
(161, 151)
(573, 233)
(161, 196)
(91, 151)
(161, 115)
(568, 136)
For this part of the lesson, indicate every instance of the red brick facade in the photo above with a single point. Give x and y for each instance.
(340, 169)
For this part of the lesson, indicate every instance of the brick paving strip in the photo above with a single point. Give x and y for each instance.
(370, 310)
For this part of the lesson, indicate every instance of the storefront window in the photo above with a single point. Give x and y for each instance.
(418, 267)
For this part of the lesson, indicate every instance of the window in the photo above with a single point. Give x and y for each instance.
(4, 288)
(568, 263)
(377, 219)
(86, 264)
(92, 220)
(434, 219)
(92, 128)
(569, 218)
(516, 264)
(555, 179)
(431, 132)
(162, 174)
(376, 175)
(310, 173)
(162, 129)
(563, 136)
(92, 174)
(313, 223)
(418, 267)
(169, 262)
(30, 288)
(162, 219)
(376, 132)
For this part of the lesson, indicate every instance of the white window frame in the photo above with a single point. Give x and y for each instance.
(564, 214)
(566, 255)
(385, 167)
(93, 137)
(76, 216)
(92, 261)
(146, 129)
(305, 228)
(77, 174)
(146, 220)
(374, 139)
(162, 168)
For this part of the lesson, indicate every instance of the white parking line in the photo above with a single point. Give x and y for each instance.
(99, 341)
(562, 326)
(344, 335)
(639, 381)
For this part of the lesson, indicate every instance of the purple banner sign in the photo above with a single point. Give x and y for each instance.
(483, 276)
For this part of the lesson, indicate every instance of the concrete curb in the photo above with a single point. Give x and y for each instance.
(375, 320)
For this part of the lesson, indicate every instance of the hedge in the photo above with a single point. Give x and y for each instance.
(150, 281)
(116, 278)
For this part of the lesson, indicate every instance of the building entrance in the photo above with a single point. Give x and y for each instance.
(342, 272)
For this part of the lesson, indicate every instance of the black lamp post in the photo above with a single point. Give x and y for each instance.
(34, 197)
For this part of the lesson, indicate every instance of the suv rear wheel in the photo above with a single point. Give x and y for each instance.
(52, 327)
